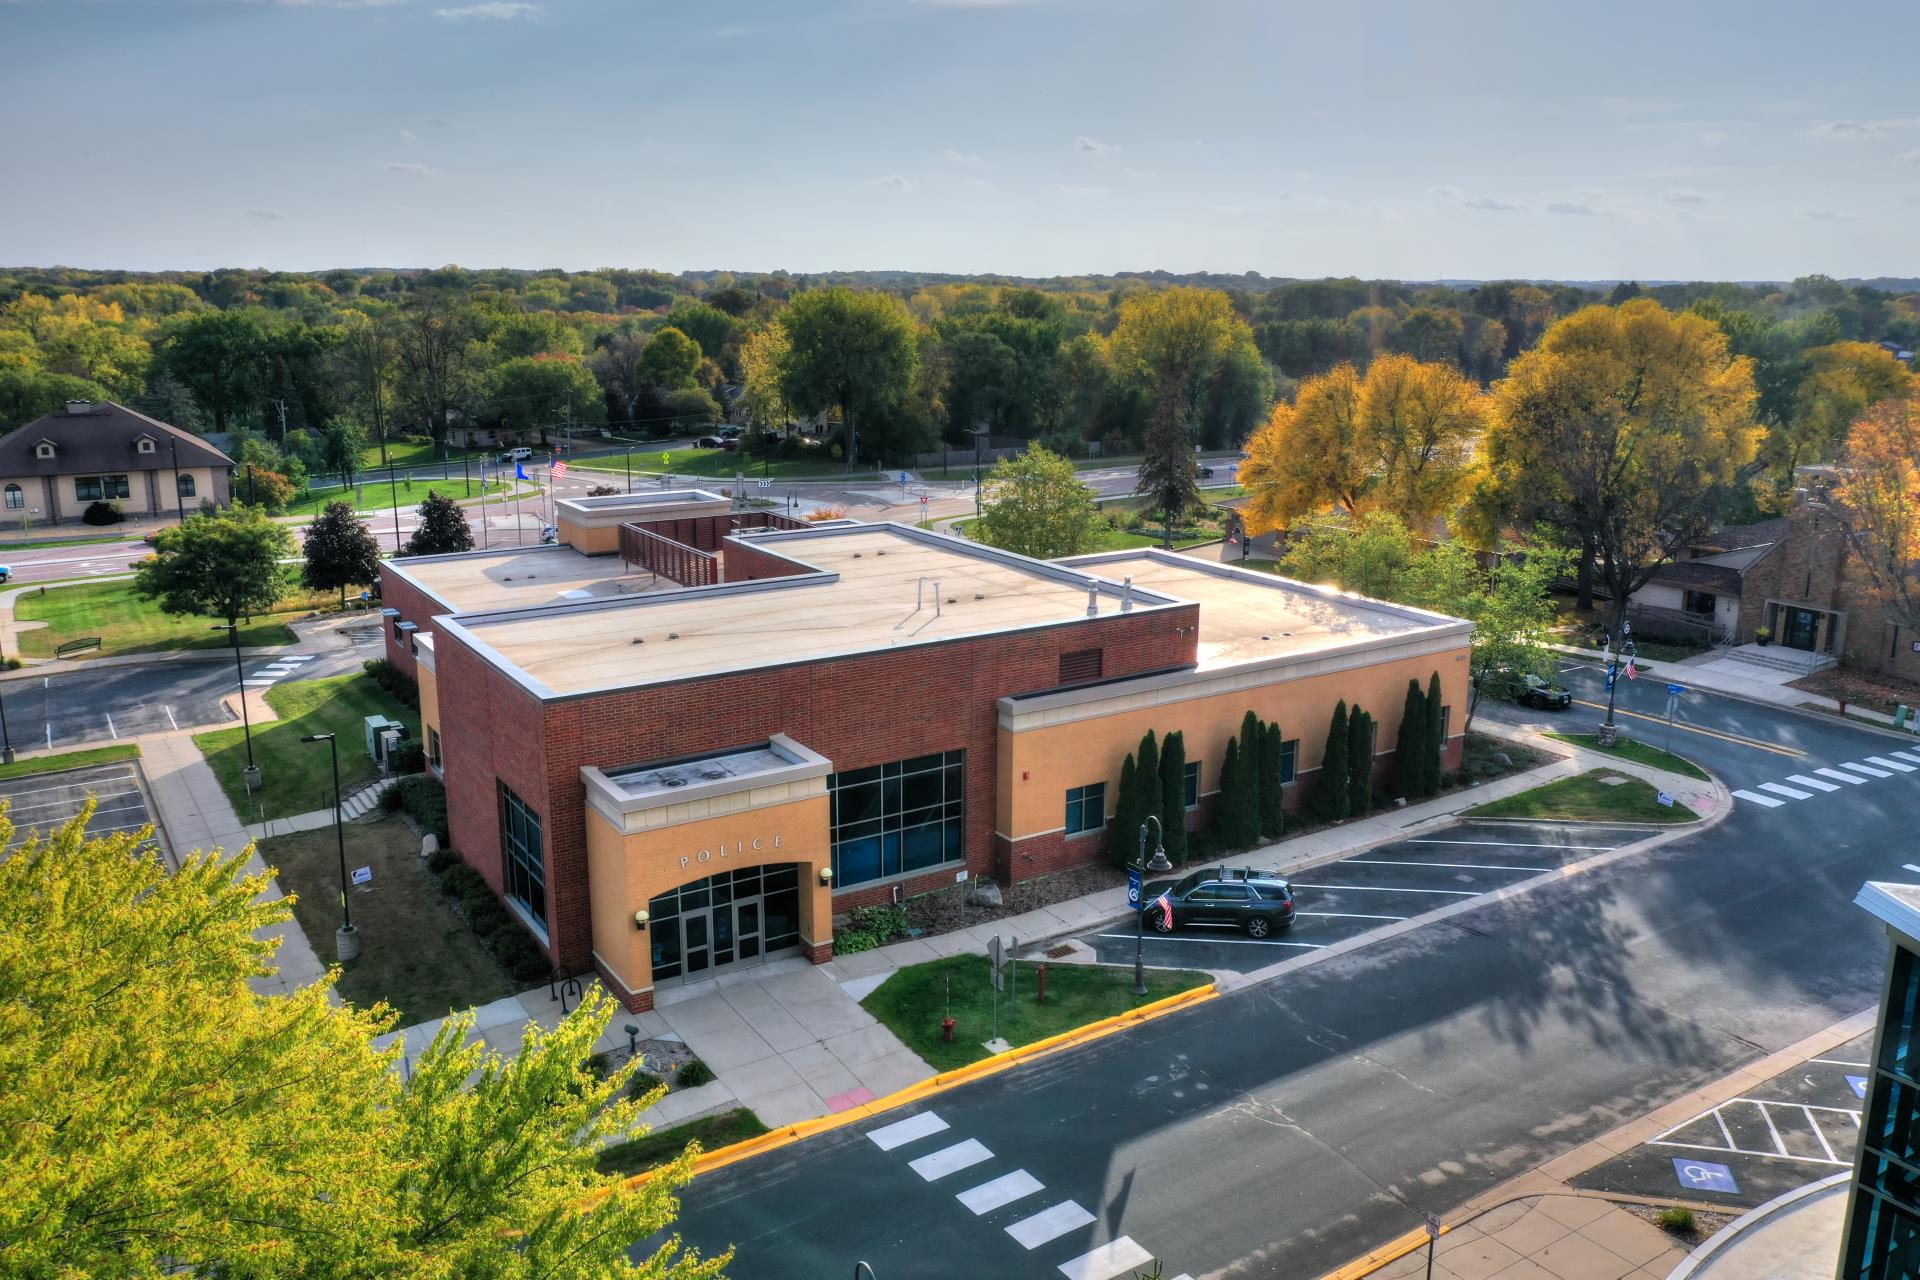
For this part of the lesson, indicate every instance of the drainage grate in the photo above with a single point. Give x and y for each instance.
(1064, 949)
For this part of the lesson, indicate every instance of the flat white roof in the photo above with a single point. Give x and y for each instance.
(517, 578)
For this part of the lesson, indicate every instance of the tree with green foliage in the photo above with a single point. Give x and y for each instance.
(669, 360)
(1245, 799)
(342, 441)
(442, 530)
(220, 357)
(1123, 831)
(1359, 762)
(1409, 751)
(1273, 817)
(1332, 790)
(1147, 782)
(1234, 775)
(855, 352)
(252, 1136)
(1435, 739)
(540, 392)
(340, 552)
(217, 566)
(1173, 795)
(1034, 503)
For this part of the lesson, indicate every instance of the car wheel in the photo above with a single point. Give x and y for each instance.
(1161, 924)
(1259, 926)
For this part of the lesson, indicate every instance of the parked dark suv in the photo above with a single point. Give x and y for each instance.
(1223, 898)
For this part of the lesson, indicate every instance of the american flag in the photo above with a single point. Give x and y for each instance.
(558, 470)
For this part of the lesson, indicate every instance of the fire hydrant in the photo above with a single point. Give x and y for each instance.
(946, 1030)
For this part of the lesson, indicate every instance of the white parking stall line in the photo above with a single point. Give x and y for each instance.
(1885, 763)
(1049, 1224)
(125, 776)
(1516, 844)
(1803, 780)
(63, 811)
(1838, 776)
(1772, 1132)
(1345, 915)
(901, 1132)
(125, 826)
(1115, 1257)
(1908, 756)
(256, 684)
(1840, 1062)
(1867, 769)
(170, 719)
(1791, 793)
(110, 729)
(1222, 942)
(961, 1155)
(1445, 866)
(1381, 888)
(1002, 1191)
(1814, 1125)
(1759, 799)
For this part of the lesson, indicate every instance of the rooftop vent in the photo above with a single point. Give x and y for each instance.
(713, 775)
(673, 782)
(79, 407)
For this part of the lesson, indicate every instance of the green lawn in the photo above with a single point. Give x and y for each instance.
(1586, 797)
(378, 494)
(1638, 752)
(70, 760)
(40, 544)
(637, 1155)
(416, 953)
(417, 453)
(126, 623)
(295, 777)
(914, 1000)
(720, 464)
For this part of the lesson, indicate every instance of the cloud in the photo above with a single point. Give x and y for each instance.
(971, 4)
(1909, 157)
(1828, 215)
(495, 11)
(408, 135)
(961, 157)
(337, 4)
(1444, 193)
(1573, 210)
(1079, 191)
(1854, 130)
(1093, 147)
(1683, 197)
(892, 182)
(266, 215)
(1487, 204)
(407, 167)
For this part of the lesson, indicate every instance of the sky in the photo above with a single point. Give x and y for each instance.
(1684, 139)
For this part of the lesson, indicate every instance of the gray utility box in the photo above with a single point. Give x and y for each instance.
(383, 735)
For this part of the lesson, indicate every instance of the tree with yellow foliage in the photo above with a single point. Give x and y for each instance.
(1617, 431)
(1838, 384)
(1399, 440)
(1879, 495)
(159, 1118)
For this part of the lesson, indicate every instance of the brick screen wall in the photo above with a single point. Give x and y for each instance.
(414, 607)
(742, 563)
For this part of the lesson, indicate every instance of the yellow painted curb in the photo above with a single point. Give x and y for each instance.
(785, 1135)
(1388, 1253)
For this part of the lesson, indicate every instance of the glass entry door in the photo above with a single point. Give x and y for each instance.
(735, 918)
(1803, 626)
(746, 929)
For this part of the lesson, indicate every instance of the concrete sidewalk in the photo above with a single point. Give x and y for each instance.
(1794, 1237)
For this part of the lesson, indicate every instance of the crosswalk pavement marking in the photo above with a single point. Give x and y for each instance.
(1757, 798)
(1867, 769)
(1790, 793)
(1815, 783)
(1908, 756)
(1885, 763)
(1003, 1190)
(961, 1155)
(1116, 1257)
(1049, 1224)
(901, 1132)
(1838, 776)
(1905, 866)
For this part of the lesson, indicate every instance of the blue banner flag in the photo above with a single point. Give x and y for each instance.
(519, 472)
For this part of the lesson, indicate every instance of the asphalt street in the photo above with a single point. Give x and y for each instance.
(1286, 1128)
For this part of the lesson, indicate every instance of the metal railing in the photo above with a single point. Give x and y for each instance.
(688, 566)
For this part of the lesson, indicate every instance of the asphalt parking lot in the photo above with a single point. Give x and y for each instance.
(47, 800)
(1799, 1127)
(1377, 888)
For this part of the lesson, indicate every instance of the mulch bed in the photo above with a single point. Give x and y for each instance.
(946, 910)
(1705, 1223)
(1859, 688)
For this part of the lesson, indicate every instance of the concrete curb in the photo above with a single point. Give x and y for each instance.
(1748, 1221)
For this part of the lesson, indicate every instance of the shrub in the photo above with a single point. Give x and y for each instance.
(394, 682)
(692, 1075)
(101, 513)
(603, 491)
(461, 882)
(870, 927)
(1678, 1219)
(425, 800)
(642, 1083)
(390, 801)
(440, 859)
(599, 1065)
(519, 954)
(825, 513)
(409, 757)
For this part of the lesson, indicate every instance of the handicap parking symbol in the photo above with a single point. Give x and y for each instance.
(1859, 1085)
(1704, 1175)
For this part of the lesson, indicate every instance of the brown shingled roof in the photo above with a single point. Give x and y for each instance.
(103, 439)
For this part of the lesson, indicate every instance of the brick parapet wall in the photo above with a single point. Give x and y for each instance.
(743, 563)
(414, 607)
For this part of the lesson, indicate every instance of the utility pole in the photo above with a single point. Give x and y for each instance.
(393, 488)
(179, 499)
(281, 405)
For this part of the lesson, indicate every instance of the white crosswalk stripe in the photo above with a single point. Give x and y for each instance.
(961, 1155)
(1116, 1257)
(1815, 783)
(1049, 1224)
(901, 1132)
(1790, 793)
(1838, 776)
(1759, 799)
(1885, 763)
(1867, 769)
(1003, 1190)
(1908, 756)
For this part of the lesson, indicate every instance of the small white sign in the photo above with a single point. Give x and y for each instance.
(1666, 798)
(958, 876)
(363, 875)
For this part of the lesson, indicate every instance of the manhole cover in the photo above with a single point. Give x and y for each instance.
(1064, 949)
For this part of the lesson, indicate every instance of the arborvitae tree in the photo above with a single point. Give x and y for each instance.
(1173, 795)
(1147, 786)
(1233, 776)
(1273, 819)
(1359, 763)
(1124, 834)
(1330, 790)
(1435, 738)
(1409, 751)
(443, 528)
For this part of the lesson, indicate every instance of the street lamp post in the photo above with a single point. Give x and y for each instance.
(1607, 731)
(393, 489)
(978, 435)
(1157, 866)
(346, 939)
(7, 738)
(252, 774)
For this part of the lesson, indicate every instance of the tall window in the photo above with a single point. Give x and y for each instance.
(1697, 602)
(186, 486)
(1192, 793)
(1086, 808)
(1883, 1237)
(890, 819)
(100, 488)
(433, 746)
(1446, 718)
(15, 498)
(525, 863)
(1289, 754)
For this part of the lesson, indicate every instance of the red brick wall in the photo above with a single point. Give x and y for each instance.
(741, 563)
(861, 710)
(414, 607)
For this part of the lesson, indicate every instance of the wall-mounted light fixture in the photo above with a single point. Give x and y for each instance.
(640, 919)
(826, 875)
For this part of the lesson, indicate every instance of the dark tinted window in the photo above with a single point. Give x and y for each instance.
(1272, 892)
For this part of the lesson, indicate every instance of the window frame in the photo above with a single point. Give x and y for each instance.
(1690, 600)
(43, 451)
(185, 485)
(1086, 807)
(1190, 782)
(1289, 761)
(16, 498)
(523, 859)
(871, 818)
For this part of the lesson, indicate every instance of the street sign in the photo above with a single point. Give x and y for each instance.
(1666, 798)
(766, 484)
(1133, 886)
(903, 479)
(1675, 690)
(993, 959)
(363, 875)
(1704, 1175)
(1433, 1226)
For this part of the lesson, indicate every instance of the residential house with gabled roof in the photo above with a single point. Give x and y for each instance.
(55, 467)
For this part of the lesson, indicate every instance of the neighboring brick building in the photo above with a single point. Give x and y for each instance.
(666, 781)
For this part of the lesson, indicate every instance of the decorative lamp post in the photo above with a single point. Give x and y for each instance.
(7, 738)
(1158, 865)
(1608, 731)
(346, 939)
(252, 772)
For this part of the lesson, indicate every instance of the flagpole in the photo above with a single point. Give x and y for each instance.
(519, 531)
(486, 532)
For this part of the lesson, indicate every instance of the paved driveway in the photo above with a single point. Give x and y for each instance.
(47, 800)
